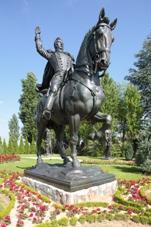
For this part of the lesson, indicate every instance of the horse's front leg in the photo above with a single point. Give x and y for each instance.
(74, 123)
(104, 133)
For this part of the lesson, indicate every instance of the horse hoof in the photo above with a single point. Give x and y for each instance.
(39, 161)
(66, 161)
(76, 164)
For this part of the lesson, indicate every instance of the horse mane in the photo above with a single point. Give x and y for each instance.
(82, 58)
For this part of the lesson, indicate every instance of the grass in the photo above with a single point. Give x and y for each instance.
(120, 171)
(26, 161)
(123, 171)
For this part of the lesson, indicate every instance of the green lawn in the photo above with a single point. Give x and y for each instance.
(25, 162)
(123, 171)
(120, 171)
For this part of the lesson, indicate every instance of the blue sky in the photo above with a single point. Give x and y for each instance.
(69, 19)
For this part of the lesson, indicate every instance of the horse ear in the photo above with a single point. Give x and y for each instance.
(113, 24)
(102, 13)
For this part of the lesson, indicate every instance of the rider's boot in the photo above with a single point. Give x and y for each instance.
(48, 106)
(39, 87)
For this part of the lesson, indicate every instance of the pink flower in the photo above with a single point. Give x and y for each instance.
(42, 208)
(2, 225)
(31, 215)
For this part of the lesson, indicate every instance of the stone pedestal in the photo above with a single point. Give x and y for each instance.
(67, 185)
(98, 193)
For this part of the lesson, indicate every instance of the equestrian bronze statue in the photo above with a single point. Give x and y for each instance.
(79, 94)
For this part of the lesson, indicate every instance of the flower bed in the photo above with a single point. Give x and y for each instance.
(128, 204)
(33, 208)
(9, 158)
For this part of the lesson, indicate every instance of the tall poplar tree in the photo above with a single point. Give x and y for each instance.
(13, 129)
(28, 103)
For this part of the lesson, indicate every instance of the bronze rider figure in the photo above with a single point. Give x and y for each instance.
(59, 64)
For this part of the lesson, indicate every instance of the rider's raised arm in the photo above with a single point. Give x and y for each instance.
(46, 54)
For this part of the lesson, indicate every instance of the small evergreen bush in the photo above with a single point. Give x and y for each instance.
(146, 166)
(143, 155)
(128, 151)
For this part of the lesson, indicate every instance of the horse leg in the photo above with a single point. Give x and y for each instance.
(105, 133)
(41, 130)
(59, 130)
(74, 123)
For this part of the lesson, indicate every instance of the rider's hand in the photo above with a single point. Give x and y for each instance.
(37, 30)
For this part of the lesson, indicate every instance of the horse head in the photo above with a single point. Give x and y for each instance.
(95, 49)
(100, 42)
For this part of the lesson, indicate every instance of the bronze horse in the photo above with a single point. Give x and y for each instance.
(80, 96)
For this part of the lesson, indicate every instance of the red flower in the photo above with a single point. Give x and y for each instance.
(110, 207)
(7, 219)
(129, 211)
(20, 223)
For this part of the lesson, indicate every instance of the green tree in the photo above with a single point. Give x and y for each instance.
(26, 147)
(134, 111)
(140, 76)
(130, 113)
(111, 102)
(143, 155)
(13, 128)
(32, 148)
(4, 146)
(28, 102)
(1, 145)
(21, 149)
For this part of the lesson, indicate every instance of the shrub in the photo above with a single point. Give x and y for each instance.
(128, 151)
(54, 223)
(146, 166)
(63, 221)
(82, 219)
(91, 218)
(143, 156)
(73, 221)
(116, 150)
(144, 151)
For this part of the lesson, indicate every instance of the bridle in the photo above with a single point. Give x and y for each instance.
(95, 62)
